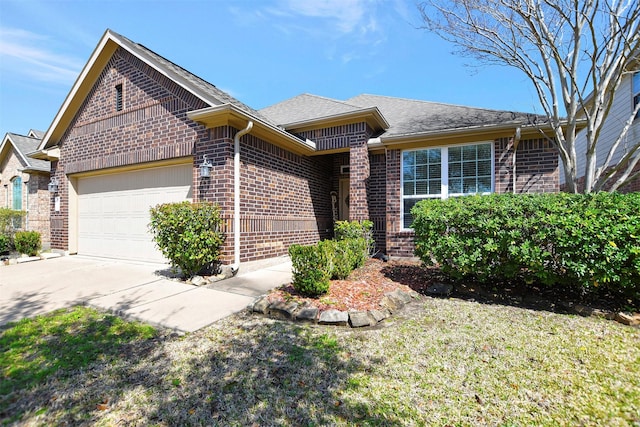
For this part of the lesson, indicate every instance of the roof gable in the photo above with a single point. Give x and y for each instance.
(23, 146)
(107, 46)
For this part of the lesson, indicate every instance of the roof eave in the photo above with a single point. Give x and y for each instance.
(372, 116)
(230, 115)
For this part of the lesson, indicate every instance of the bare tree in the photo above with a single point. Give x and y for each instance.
(574, 52)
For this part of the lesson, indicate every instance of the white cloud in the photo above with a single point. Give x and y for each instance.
(30, 54)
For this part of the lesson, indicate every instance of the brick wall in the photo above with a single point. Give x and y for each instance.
(536, 172)
(152, 126)
(39, 214)
(285, 197)
(631, 187)
(377, 197)
(537, 166)
(35, 196)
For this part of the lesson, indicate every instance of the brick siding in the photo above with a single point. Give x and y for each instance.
(631, 187)
(152, 126)
(285, 197)
(536, 172)
(35, 195)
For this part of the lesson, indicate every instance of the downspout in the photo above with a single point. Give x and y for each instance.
(516, 140)
(236, 196)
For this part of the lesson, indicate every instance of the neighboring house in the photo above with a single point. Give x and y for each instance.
(136, 130)
(626, 98)
(24, 181)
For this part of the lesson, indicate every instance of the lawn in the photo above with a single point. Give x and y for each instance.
(438, 362)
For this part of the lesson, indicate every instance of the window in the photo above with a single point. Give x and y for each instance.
(119, 97)
(636, 91)
(16, 199)
(445, 172)
(16, 193)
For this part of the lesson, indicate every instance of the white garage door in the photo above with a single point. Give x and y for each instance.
(113, 210)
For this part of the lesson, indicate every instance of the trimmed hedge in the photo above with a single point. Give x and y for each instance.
(315, 265)
(8, 220)
(355, 230)
(27, 242)
(188, 234)
(581, 241)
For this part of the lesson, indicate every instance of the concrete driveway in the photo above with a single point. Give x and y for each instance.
(138, 291)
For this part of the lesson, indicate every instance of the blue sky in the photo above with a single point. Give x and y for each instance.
(261, 52)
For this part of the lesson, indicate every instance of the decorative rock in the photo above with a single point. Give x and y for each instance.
(199, 281)
(400, 296)
(334, 317)
(358, 319)
(609, 315)
(379, 315)
(582, 310)
(307, 314)
(282, 310)
(627, 319)
(440, 289)
(261, 306)
(390, 303)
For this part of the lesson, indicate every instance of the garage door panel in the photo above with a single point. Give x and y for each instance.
(113, 210)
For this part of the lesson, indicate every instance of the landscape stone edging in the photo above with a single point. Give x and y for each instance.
(390, 303)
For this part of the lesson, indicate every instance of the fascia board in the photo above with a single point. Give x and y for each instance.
(228, 114)
(372, 116)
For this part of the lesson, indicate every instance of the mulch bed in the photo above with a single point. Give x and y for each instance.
(365, 287)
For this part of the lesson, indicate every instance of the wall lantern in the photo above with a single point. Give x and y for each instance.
(53, 185)
(205, 167)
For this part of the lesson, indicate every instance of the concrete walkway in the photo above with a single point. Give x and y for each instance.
(133, 290)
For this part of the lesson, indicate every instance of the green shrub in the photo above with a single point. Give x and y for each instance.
(583, 241)
(10, 220)
(188, 234)
(344, 230)
(5, 244)
(311, 269)
(27, 242)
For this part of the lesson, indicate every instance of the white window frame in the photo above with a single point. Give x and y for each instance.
(444, 176)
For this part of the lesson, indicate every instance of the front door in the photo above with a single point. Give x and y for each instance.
(343, 205)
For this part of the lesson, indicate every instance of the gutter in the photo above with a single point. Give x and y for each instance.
(236, 196)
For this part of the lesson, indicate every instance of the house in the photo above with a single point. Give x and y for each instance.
(24, 181)
(137, 130)
(625, 100)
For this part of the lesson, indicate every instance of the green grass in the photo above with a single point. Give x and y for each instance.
(442, 362)
(33, 350)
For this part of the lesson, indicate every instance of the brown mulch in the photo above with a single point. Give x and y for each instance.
(364, 288)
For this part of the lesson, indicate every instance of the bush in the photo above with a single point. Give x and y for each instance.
(5, 244)
(345, 230)
(584, 241)
(310, 268)
(27, 242)
(9, 220)
(188, 234)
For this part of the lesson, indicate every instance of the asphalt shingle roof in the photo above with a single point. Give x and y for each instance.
(26, 145)
(410, 116)
(188, 79)
(306, 107)
(405, 116)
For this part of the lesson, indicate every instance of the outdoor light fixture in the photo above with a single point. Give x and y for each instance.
(205, 167)
(53, 185)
